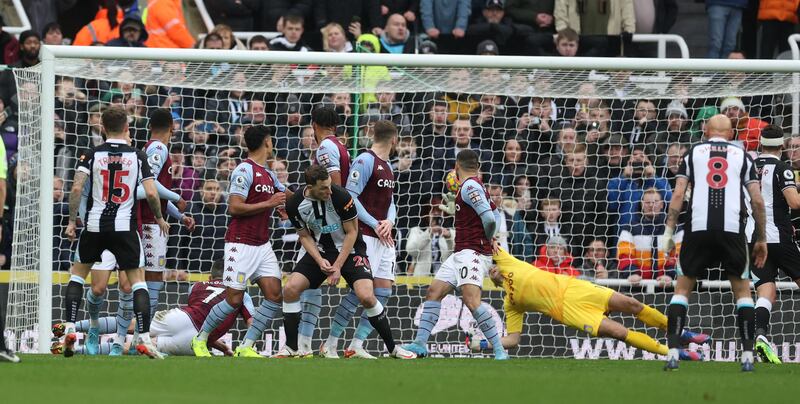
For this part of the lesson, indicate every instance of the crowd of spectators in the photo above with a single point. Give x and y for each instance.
(582, 182)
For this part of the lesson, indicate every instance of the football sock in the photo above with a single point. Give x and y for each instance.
(73, 297)
(676, 320)
(429, 318)
(124, 315)
(364, 326)
(218, 314)
(483, 316)
(344, 313)
(93, 303)
(763, 308)
(104, 348)
(141, 308)
(644, 342)
(745, 319)
(379, 320)
(311, 300)
(261, 319)
(107, 325)
(652, 317)
(153, 290)
(291, 322)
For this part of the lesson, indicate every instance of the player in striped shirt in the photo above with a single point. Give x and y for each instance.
(720, 173)
(371, 184)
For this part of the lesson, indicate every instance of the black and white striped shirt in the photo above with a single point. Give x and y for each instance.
(115, 169)
(718, 172)
(776, 176)
(324, 219)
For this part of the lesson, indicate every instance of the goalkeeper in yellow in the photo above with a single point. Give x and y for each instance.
(575, 303)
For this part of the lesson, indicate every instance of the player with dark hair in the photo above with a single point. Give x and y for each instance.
(326, 220)
(333, 156)
(255, 193)
(720, 174)
(779, 191)
(476, 225)
(371, 184)
(172, 330)
(114, 170)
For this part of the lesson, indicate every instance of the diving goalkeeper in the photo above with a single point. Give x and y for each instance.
(576, 303)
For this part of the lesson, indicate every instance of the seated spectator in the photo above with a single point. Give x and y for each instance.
(554, 257)
(415, 184)
(746, 128)
(625, 192)
(291, 36)
(613, 158)
(445, 21)
(334, 39)
(205, 244)
(596, 22)
(212, 41)
(200, 161)
(461, 137)
(567, 42)
(370, 75)
(549, 223)
(643, 125)
(638, 240)
(672, 162)
(395, 37)
(104, 26)
(29, 45)
(676, 130)
(131, 34)
(229, 40)
(301, 158)
(387, 109)
(535, 128)
(256, 114)
(498, 197)
(550, 163)
(235, 14)
(367, 15)
(258, 43)
(224, 168)
(493, 24)
(434, 132)
(184, 179)
(595, 263)
(490, 123)
(430, 244)
(510, 165)
(166, 25)
(8, 45)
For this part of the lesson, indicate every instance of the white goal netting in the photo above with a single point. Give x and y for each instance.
(568, 155)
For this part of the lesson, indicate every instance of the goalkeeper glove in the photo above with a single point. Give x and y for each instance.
(448, 204)
(666, 243)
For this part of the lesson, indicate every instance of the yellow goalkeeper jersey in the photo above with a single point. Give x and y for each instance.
(529, 289)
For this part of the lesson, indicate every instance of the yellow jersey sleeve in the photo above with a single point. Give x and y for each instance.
(514, 318)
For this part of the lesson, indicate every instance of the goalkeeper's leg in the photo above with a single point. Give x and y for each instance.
(620, 303)
(613, 329)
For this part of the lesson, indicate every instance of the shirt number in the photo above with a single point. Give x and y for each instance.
(110, 186)
(214, 293)
(717, 176)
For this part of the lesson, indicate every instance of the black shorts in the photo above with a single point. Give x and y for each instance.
(125, 246)
(783, 256)
(355, 268)
(711, 249)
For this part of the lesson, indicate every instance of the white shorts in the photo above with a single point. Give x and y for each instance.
(154, 248)
(108, 261)
(465, 267)
(245, 262)
(174, 331)
(381, 258)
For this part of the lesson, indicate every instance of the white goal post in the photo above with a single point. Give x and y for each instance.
(32, 277)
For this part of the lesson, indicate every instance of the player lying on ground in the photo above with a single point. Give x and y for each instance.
(172, 330)
(116, 170)
(255, 192)
(332, 248)
(779, 191)
(576, 303)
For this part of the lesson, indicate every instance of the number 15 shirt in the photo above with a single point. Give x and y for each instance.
(115, 169)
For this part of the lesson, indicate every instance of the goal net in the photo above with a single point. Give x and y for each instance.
(580, 161)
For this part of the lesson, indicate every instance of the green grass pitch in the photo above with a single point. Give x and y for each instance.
(51, 379)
